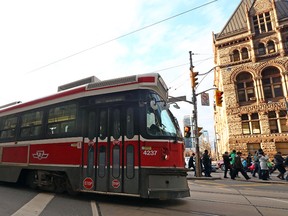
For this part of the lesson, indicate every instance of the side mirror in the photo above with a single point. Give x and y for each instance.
(166, 106)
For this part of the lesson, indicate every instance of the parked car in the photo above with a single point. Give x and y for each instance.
(220, 164)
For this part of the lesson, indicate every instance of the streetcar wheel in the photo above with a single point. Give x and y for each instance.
(60, 184)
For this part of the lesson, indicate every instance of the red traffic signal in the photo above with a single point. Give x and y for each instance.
(218, 98)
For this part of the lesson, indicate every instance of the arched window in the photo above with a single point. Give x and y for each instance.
(271, 47)
(245, 87)
(244, 53)
(236, 55)
(261, 49)
(271, 81)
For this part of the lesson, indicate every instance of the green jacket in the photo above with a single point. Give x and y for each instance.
(232, 156)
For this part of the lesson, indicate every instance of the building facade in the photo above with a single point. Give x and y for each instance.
(251, 58)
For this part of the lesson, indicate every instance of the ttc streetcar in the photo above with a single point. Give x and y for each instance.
(114, 136)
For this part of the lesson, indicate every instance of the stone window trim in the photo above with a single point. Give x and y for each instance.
(239, 54)
(266, 48)
(262, 23)
(278, 121)
(250, 124)
(271, 82)
(245, 86)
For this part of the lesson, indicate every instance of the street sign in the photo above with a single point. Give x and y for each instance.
(205, 99)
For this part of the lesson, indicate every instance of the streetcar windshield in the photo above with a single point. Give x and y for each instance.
(160, 121)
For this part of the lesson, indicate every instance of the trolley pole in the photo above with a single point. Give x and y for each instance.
(194, 116)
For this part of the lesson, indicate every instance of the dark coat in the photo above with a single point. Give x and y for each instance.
(278, 159)
(238, 163)
(206, 160)
(191, 162)
(226, 159)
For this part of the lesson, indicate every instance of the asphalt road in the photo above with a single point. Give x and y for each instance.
(214, 196)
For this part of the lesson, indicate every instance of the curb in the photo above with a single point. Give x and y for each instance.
(250, 180)
(203, 178)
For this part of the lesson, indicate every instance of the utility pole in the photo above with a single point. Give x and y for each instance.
(194, 116)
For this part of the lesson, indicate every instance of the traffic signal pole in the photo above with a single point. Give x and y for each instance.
(194, 115)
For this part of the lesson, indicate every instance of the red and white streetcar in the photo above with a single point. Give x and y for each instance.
(114, 136)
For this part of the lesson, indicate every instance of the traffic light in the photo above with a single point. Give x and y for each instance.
(218, 98)
(187, 131)
(194, 79)
(199, 129)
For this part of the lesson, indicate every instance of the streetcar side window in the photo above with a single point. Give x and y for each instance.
(103, 124)
(116, 162)
(92, 126)
(130, 171)
(116, 131)
(62, 119)
(102, 161)
(130, 123)
(31, 124)
(8, 127)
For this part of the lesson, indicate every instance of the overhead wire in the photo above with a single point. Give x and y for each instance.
(181, 84)
(119, 37)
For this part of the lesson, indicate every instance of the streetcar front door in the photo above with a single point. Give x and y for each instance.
(111, 151)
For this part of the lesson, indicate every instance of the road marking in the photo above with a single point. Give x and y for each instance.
(277, 200)
(35, 206)
(94, 208)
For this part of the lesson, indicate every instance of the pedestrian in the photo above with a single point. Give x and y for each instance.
(244, 163)
(238, 167)
(226, 160)
(232, 162)
(206, 160)
(249, 159)
(232, 157)
(279, 164)
(191, 163)
(264, 170)
(286, 164)
(256, 164)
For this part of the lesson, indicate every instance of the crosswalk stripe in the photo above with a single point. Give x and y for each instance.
(35, 206)
(94, 208)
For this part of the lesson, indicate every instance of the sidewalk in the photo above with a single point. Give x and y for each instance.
(218, 175)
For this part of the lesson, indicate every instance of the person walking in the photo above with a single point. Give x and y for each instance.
(226, 160)
(238, 167)
(264, 170)
(249, 159)
(191, 163)
(279, 164)
(256, 165)
(206, 160)
(232, 162)
(232, 157)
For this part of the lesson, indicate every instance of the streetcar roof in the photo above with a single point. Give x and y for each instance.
(151, 81)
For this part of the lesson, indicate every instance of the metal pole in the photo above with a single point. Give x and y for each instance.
(196, 137)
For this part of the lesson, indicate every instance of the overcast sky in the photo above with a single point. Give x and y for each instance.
(44, 44)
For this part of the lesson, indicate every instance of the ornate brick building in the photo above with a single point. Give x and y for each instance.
(251, 57)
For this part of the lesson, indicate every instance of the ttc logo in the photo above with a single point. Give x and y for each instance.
(40, 155)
